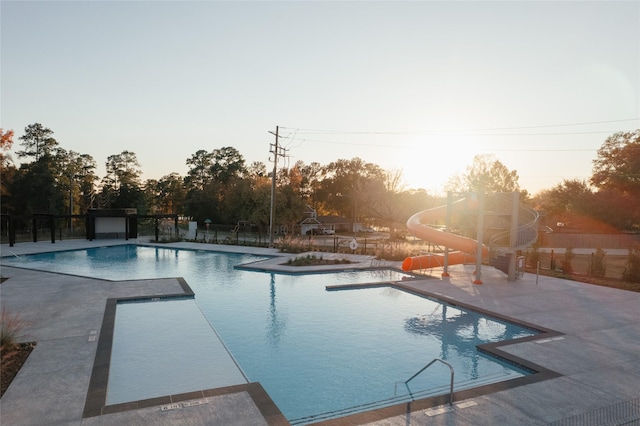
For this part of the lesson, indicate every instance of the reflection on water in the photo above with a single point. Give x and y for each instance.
(277, 321)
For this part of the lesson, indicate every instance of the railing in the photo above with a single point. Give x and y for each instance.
(406, 382)
(19, 258)
(527, 232)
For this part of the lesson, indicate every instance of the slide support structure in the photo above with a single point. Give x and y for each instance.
(478, 279)
(445, 271)
(513, 240)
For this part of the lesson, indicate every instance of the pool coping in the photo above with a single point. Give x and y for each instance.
(95, 402)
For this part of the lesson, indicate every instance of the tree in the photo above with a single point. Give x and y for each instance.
(616, 174)
(227, 163)
(485, 174)
(87, 180)
(357, 182)
(213, 183)
(311, 180)
(570, 196)
(56, 181)
(122, 169)
(6, 142)
(75, 177)
(7, 169)
(257, 170)
(199, 165)
(618, 163)
(121, 186)
(37, 141)
(34, 189)
(168, 193)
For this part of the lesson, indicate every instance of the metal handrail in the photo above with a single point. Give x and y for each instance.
(395, 391)
(19, 258)
(526, 234)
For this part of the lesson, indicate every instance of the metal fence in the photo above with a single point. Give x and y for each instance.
(621, 413)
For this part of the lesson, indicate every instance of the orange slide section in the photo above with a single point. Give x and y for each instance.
(418, 225)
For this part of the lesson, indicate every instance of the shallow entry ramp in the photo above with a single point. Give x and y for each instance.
(420, 226)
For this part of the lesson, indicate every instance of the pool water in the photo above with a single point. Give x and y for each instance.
(318, 353)
(152, 353)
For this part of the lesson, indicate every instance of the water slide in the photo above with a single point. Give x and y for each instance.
(419, 226)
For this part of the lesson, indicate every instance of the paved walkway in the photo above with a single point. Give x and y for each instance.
(596, 354)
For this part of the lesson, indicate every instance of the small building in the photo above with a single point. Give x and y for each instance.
(337, 223)
(112, 224)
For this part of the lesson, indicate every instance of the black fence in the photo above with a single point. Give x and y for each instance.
(49, 227)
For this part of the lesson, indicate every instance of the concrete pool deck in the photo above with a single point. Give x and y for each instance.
(596, 355)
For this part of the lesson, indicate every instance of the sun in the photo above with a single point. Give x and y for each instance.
(431, 161)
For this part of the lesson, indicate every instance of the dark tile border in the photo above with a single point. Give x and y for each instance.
(540, 373)
(95, 402)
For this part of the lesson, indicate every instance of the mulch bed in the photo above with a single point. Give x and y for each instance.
(12, 360)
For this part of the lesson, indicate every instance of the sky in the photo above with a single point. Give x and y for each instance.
(414, 87)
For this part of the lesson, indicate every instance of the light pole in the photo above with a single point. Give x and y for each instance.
(72, 181)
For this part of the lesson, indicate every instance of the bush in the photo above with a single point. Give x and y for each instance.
(533, 257)
(294, 245)
(395, 251)
(632, 267)
(311, 260)
(598, 265)
(566, 261)
(11, 325)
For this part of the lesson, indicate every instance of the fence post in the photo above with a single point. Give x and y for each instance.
(34, 228)
(52, 227)
(12, 232)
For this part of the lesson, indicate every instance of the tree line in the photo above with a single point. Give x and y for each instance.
(222, 187)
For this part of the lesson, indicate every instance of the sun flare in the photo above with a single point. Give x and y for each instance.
(433, 160)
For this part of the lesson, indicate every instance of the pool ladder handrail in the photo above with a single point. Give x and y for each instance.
(395, 392)
(19, 258)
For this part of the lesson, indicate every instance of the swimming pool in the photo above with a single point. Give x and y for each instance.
(318, 353)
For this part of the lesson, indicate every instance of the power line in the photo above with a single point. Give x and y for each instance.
(398, 146)
(458, 131)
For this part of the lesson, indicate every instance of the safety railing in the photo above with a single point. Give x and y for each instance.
(406, 382)
(527, 231)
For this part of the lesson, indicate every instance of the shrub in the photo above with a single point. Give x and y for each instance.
(566, 260)
(11, 325)
(632, 267)
(395, 251)
(294, 245)
(598, 265)
(533, 257)
(310, 260)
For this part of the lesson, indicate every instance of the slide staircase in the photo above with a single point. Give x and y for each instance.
(503, 245)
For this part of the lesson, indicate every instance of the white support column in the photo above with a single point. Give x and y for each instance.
(445, 271)
(480, 236)
(513, 240)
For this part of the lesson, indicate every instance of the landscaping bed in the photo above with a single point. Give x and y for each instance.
(13, 358)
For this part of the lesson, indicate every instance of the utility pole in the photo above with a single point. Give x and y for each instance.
(277, 151)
